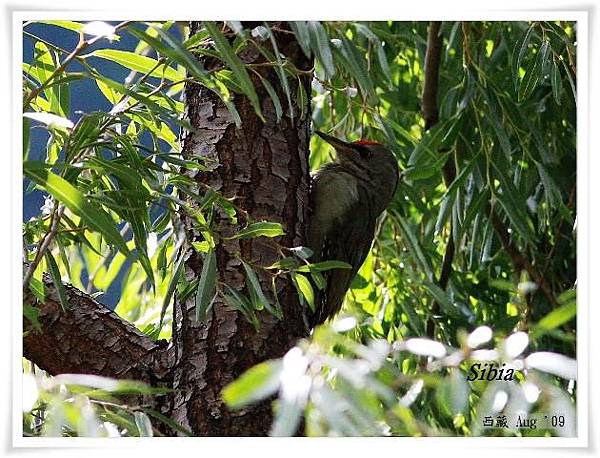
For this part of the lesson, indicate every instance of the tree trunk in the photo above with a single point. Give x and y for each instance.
(264, 168)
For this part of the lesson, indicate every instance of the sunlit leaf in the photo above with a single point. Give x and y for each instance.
(257, 383)
(95, 217)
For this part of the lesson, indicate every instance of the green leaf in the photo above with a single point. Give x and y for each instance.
(38, 289)
(206, 286)
(241, 303)
(51, 120)
(532, 74)
(281, 73)
(154, 107)
(512, 202)
(414, 245)
(236, 65)
(284, 264)
(263, 229)
(571, 82)
(30, 312)
(302, 252)
(26, 138)
(518, 53)
(323, 266)
(357, 67)
(167, 421)
(56, 279)
(139, 63)
(43, 66)
(319, 41)
(173, 49)
(68, 25)
(441, 298)
(195, 39)
(140, 236)
(259, 300)
(556, 318)
(143, 423)
(300, 29)
(302, 99)
(556, 81)
(258, 382)
(274, 97)
(95, 217)
(304, 288)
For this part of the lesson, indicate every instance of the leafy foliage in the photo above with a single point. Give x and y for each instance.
(117, 182)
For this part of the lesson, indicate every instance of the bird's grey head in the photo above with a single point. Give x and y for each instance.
(369, 161)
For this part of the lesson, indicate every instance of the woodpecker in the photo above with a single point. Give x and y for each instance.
(347, 196)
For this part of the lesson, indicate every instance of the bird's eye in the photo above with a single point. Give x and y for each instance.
(363, 150)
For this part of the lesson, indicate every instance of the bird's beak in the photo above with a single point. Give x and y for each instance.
(338, 144)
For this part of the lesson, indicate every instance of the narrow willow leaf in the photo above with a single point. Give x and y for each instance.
(518, 53)
(206, 286)
(263, 229)
(300, 29)
(167, 421)
(302, 100)
(302, 252)
(258, 382)
(531, 78)
(259, 299)
(140, 236)
(415, 247)
(284, 264)
(196, 39)
(154, 107)
(173, 49)
(318, 280)
(305, 289)
(56, 279)
(513, 204)
(323, 266)
(556, 81)
(556, 318)
(51, 120)
(95, 217)
(281, 72)
(274, 97)
(62, 89)
(32, 313)
(235, 64)
(68, 25)
(445, 210)
(319, 41)
(26, 137)
(571, 82)
(357, 66)
(143, 423)
(37, 288)
(44, 68)
(139, 63)
(441, 297)
(242, 304)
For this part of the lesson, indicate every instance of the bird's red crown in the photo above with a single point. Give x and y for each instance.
(363, 141)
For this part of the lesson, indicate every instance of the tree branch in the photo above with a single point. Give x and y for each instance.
(91, 339)
(429, 106)
(429, 109)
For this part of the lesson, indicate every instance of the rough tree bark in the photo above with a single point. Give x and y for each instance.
(264, 167)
